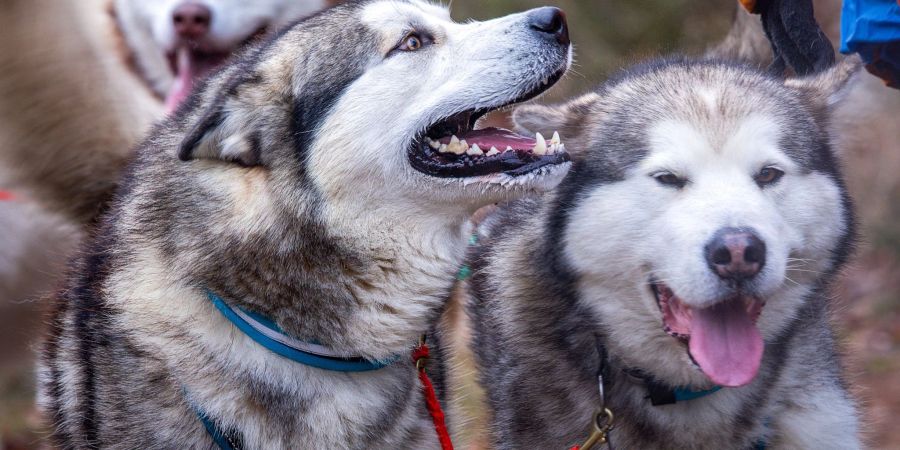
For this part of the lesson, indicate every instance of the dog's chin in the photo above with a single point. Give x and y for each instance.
(453, 148)
(721, 339)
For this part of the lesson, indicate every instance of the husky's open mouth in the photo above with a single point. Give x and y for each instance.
(452, 148)
(190, 61)
(722, 339)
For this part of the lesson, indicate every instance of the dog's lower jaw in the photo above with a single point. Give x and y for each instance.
(541, 180)
(635, 338)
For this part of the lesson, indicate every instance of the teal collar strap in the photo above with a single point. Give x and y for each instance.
(683, 394)
(266, 333)
(663, 394)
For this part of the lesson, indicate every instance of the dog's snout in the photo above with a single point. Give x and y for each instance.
(191, 20)
(551, 22)
(736, 254)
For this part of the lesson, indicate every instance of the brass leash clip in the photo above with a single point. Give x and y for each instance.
(422, 359)
(602, 421)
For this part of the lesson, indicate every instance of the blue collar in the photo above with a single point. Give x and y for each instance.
(660, 394)
(683, 394)
(663, 394)
(222, 439)
(269, 335)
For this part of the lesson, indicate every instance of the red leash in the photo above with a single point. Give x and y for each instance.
(6, 196)
(420, 356)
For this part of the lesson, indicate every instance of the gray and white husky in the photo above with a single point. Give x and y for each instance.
(313, 195)
(683, 265)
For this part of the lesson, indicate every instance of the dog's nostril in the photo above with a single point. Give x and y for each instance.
(191, 20)
(755, 252)
(721, 255)
(552, 22)
(736, 253)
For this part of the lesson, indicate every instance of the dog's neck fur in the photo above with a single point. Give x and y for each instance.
(365, 281)
(366, 285)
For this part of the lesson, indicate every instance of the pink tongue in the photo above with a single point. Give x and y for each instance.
(495, 137)
(726, 343)
(190, 66)
(185, 73)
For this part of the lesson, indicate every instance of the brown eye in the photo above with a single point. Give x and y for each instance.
(768, 175)
(412, 42)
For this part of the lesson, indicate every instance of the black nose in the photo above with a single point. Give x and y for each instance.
(550, 21)
(736, 254)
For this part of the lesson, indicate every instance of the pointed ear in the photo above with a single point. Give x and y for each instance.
(826, 89)
(222, 129)
(565, 118)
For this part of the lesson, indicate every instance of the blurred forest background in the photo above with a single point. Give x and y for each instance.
(610, 34)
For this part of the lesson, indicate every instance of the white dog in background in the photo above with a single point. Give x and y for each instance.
(80, 83)
(176, 42)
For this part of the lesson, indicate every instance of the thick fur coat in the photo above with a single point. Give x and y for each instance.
(565, 285)
(285, 186)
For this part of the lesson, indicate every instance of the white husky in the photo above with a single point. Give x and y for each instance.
(177, 42)
(685, 261)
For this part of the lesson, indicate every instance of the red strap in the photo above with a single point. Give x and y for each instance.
(6, 196)
(431, 400)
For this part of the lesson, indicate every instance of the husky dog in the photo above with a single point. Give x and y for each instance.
(683, 265)
(174, 43)
(74, 104)
(75, 97)
(320, 183)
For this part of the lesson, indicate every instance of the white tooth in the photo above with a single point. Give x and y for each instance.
(434, 144)
(444, 148)
(475, 150)
(508, 149)
(551, 149)
(464, 143)
(561, 148)
(493, 151)
(555, 138)
(540, 148)
(456, 146)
